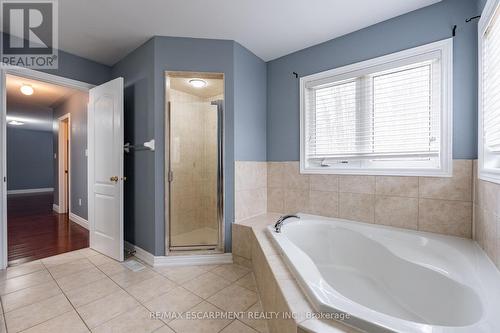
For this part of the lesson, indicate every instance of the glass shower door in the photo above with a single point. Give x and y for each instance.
(194, 177)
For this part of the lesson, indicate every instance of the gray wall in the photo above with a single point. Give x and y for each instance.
(77, 68)
(29, 159)
(76, 106)
(137, 68)
(419, 27)
(250, 99)
(204, 55)
(143, 71)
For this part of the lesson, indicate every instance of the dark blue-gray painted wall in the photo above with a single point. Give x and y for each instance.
(250, 101)
(419, 27)
(244, 124)
(76, 106)
(29, 159)
(137, 69)
(77, 68)
(203, 55)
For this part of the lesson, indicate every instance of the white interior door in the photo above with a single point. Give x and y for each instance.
(105, 168)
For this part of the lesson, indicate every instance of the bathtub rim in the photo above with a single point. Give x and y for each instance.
(379, 321)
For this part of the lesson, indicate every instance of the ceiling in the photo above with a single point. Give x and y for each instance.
(45, 94)
(214, 87)
(110, 29)
(35, 111)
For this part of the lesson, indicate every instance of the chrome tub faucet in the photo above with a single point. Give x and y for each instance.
(279, 223)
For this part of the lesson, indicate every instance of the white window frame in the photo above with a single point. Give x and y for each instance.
(445, 48)
(491, 174)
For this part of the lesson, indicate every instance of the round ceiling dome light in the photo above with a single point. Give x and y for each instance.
(27, 90)
(198, 83)
(16, 123)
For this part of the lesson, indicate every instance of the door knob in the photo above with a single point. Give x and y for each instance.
(114, 179)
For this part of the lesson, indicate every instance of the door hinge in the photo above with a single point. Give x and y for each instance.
(170, 176)
(4, 179)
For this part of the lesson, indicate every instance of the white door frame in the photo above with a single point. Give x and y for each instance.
(63, 205)
(28, 74)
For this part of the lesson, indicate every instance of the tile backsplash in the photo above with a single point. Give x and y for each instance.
(442, 205)
(487, 216)
(250, 189)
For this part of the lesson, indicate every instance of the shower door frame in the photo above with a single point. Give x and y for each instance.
(196, 249)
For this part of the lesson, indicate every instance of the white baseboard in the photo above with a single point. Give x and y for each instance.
(55, 208)
(31, 190)
(178, 260)
(80, 220)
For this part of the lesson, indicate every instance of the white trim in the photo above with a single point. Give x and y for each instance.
(31, 190)
(79, 220)
(180, 260)
(61, 151)
(55, 208)
(29, 74)
(445, 46)
(491, 175)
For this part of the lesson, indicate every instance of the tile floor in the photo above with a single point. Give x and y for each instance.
(84, 291)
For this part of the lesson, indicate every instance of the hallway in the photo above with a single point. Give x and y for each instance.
(35, 231)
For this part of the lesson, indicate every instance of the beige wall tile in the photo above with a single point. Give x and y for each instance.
(445, 217)
(292, 178)
(458, 187)
(396, 211)
(397, 186)
(489, 196)
(498, 243)
(250, 175)
(275, 174)
(490, 235)
(250, 203)
(242, 241)
(326, 183)
(324, 203)
(357, 184)
(296, 201)
(357, 207)
(275, 200)
(474, 181)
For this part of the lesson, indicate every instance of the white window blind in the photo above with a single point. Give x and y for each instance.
(489, 88)
(381, 116)
(491, 85)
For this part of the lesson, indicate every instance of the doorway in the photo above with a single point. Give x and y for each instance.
(64, 161)
(195, 105)
(100, 155)
(40, 142)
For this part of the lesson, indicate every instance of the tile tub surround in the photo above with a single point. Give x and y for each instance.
(84, 291)
(434, 204)
(250, 189)
(278, 289)
(487, 217)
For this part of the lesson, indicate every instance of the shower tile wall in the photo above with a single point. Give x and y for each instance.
(194, 162)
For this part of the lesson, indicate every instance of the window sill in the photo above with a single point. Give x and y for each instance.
(379, 172)
(489, 176)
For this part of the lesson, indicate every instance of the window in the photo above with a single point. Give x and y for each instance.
(390, 115)
(489, 93)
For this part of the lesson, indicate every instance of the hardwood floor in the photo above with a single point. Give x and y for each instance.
(35, 231)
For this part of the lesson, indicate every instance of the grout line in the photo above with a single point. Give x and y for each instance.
(74, 309)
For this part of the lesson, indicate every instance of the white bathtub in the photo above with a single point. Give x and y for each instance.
(391, 279)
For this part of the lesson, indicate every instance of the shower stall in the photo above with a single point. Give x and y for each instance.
(195, 113)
